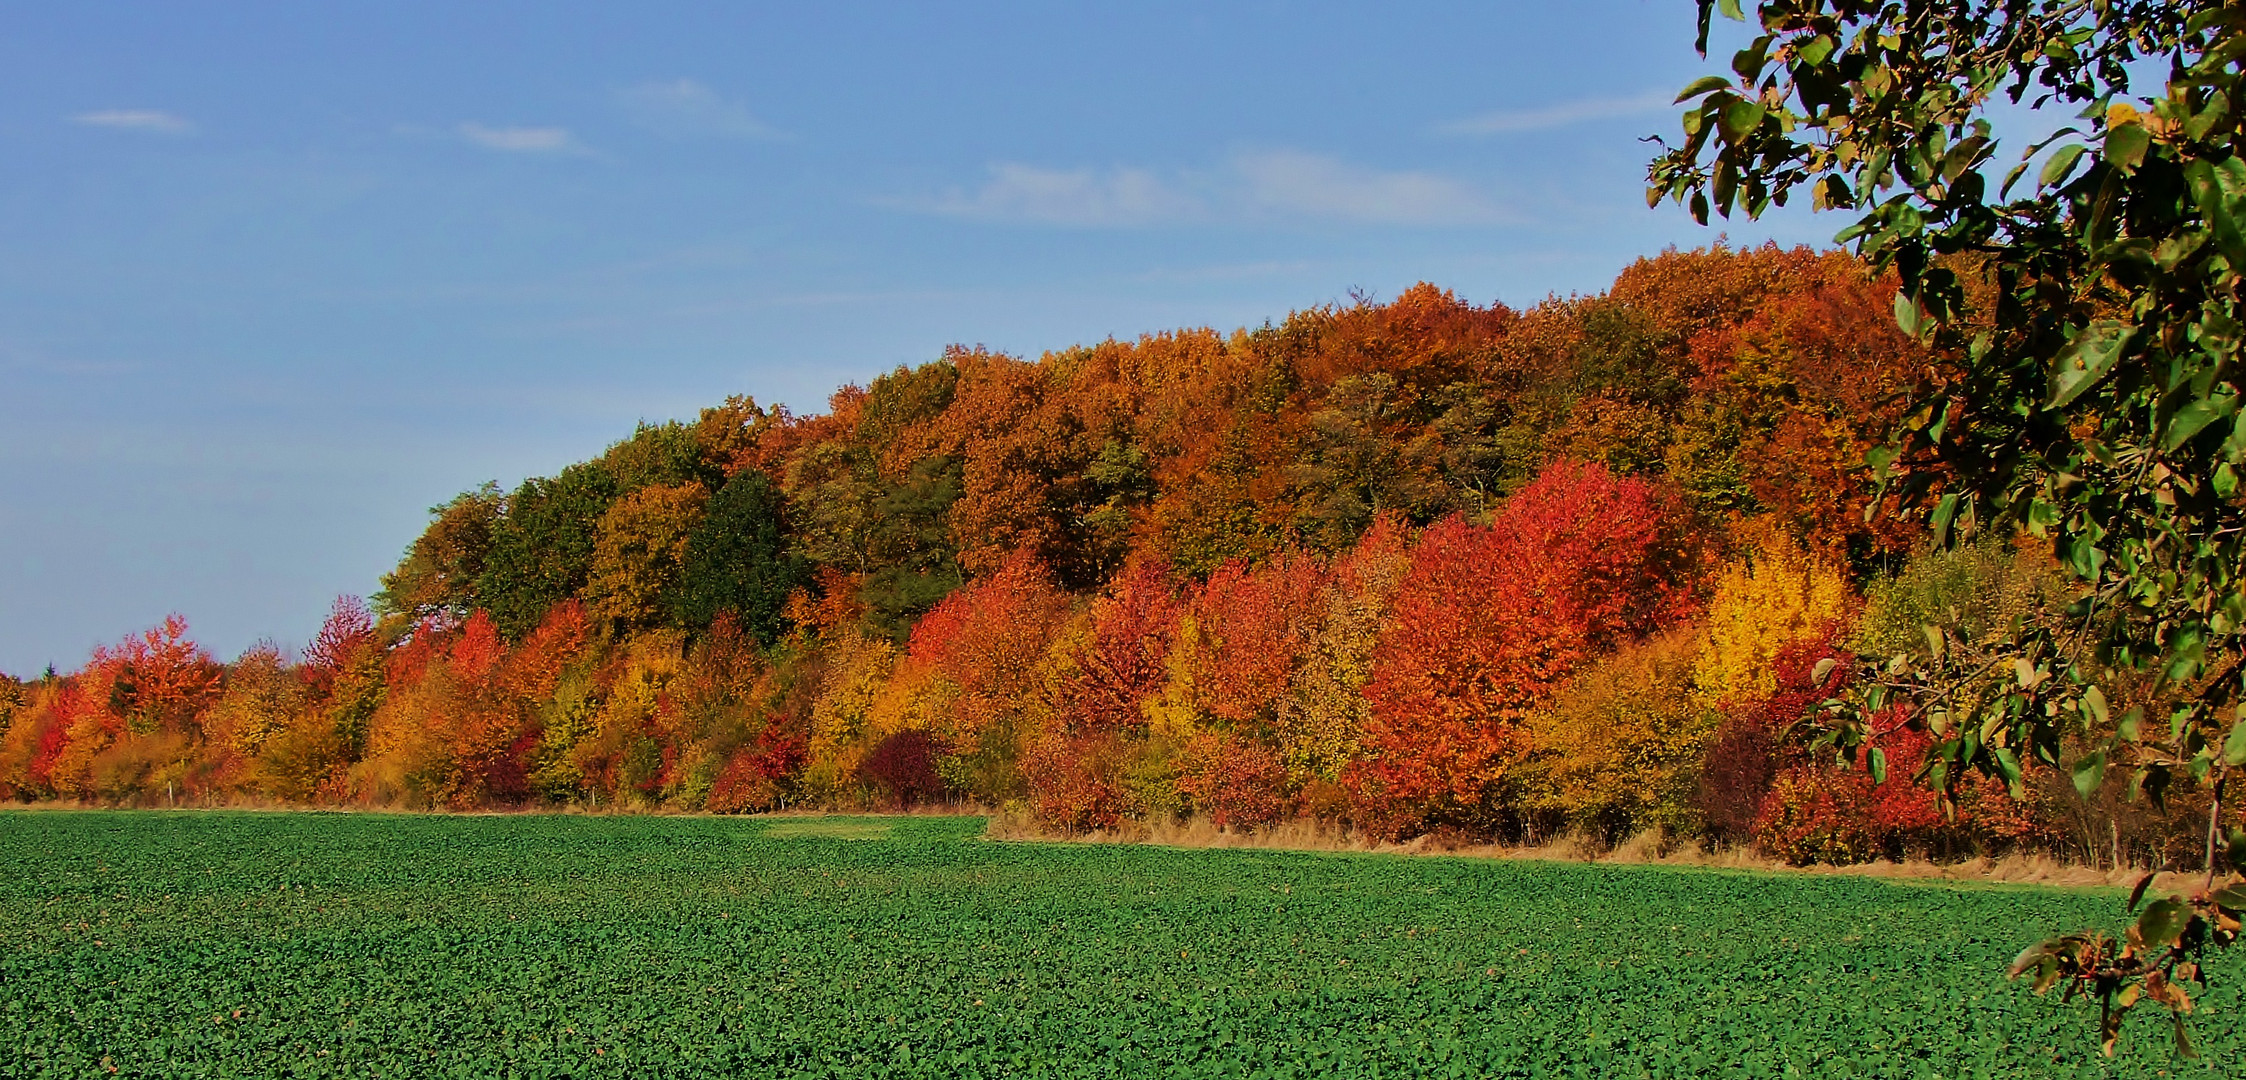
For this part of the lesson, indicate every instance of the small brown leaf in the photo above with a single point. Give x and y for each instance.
(2138, 893)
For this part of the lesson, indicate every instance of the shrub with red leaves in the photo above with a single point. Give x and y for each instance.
(1239, 784)
(1746, 754)
(902, 768)
(1822, 812)
(1076, 781)
(754, 776)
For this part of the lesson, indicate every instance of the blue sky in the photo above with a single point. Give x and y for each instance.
(276, 278)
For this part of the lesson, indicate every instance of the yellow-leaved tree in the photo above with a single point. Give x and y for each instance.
(858, 672)
(1324, 716)
(637, 553)
(622, 754)
(1620, 748)
(261, 697)
(1773, 593)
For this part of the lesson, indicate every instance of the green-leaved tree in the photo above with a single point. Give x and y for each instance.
(738, 560)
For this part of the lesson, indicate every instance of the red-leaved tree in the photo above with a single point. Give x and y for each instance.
(1487, 624)
(987, 638)
(1075, 769)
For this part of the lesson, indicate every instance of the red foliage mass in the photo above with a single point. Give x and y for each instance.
(1075, 770)
(1745, 755)
(1817, 811)
(409, 659)
(1489, 621)
(1122, 663)
(1255, 625)
(902, 767)
(1076, 781)
(348, 629)
(478, 649)
(533, 668)
(158, 678)
(70, 704)
(752, 777)
(1239, 784)
(988, 636)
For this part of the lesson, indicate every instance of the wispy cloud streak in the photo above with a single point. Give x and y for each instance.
(1293, 183)
(1559, 115)
(1085, 198)
(1264, 186)
(521, 140)
(149, 120)
(686, 108)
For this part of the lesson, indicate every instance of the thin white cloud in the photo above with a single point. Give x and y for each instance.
(1296, 184)
(149, 120)
(1562, 114)
(686, 108)
(1230, 271)
(521, 140)
(1263, 186)
(1076, 197)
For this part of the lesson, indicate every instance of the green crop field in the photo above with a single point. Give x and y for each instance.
(235, 944)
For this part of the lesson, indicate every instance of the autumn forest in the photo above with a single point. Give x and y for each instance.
(1409, 568)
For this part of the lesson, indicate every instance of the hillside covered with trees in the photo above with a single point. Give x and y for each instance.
(1416, 567)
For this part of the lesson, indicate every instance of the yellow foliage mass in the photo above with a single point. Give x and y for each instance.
(915, 699)
(637, 552)
(1325, 714)
(1177, 711)
(858, 671)
(261, 697)
(1621, 747)
(1774, 594)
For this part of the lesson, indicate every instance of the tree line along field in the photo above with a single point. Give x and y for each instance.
(282, 944)
(1414, 567)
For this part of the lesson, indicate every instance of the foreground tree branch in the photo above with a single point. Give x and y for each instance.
(2086, 390)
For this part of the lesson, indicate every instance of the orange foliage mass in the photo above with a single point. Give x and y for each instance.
(988, 639)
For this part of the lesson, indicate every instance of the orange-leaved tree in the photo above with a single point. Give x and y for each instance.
(137, 715)
(985, 643)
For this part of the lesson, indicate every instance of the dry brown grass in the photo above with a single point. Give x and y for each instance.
(1196, 832)
(1648, 848)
